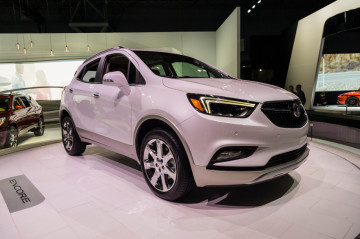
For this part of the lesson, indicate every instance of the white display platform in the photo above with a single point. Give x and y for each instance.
(104, 195)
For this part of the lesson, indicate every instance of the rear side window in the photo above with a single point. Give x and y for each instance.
(25, 101)
(88, 74)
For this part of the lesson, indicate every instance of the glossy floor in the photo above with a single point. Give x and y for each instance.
(103, 195)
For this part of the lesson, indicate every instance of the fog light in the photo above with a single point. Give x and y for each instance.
(232, 153)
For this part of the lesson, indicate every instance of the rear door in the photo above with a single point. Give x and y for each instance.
(81, 96)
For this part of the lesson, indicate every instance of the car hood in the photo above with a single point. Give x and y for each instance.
(352, 93)
(239, 89)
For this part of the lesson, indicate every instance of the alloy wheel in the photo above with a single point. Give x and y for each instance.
(159, 165)
(41, 126)
(68, 137)
(13, 138)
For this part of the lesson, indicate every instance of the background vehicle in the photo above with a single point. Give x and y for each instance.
(185, 122)
(350, 98)
(19, 114)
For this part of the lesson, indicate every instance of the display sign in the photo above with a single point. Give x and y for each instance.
(19, 193)
(339, 72)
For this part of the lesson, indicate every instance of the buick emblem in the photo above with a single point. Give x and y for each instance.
(296, 110)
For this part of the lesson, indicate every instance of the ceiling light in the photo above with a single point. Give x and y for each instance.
(88, 48)
(260, 69)
(259, 2)
(51, 53)
(249, 11)
(24, 50)
(31, 44)
(253, 6)
(66, 49)
(18, 46)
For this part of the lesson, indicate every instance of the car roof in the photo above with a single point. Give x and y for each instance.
(120, 47)
(9, 95)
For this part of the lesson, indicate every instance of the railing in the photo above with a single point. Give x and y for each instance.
(29, 88)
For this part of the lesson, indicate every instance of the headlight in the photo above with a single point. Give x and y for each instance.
(2, 120)
(220, 106)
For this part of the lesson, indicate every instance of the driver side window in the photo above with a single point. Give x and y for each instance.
(119, 62)
(18, 104)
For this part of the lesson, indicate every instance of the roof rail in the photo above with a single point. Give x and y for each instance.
(96, 55)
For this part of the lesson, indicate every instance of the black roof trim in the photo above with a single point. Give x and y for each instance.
(96, 55)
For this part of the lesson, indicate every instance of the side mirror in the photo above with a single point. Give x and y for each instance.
(118, 79)
(18, 107)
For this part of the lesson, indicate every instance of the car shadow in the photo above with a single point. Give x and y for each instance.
(254, 195)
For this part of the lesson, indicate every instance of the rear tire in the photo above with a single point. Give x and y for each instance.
(352, 102)
(39, 131)
(71, 140)
(165, 165)
(12, 137)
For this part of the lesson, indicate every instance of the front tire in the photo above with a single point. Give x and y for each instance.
(12, 137)
(165, 165)
(39, 131)
(71, 140)
(352, 102)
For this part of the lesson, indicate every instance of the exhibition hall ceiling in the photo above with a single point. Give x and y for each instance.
(35, 16)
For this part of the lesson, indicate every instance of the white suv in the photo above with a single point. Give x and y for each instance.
(185, 122)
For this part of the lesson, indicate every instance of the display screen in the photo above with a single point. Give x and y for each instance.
(339, 72)
(37, 74)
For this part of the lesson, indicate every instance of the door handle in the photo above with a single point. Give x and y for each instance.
(96, 95)
(71, 90)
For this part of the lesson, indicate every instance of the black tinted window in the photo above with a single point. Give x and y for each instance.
(25, 101)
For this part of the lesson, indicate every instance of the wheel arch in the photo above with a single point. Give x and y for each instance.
(151, 122)
(63, 114)
(13, 124)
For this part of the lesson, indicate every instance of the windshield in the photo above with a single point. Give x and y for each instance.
(4, 104)
(178, 66)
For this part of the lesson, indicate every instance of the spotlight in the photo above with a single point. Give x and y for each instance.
(260, 70)
(66, 49)
(24, 50)
(259, 2)
(51, 53)
(18, 46)
(253, 6)
(31, 44)
(249, 11)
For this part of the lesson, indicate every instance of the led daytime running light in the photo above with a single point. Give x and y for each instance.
(206, 101)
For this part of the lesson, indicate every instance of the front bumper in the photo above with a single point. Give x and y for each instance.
(204, 177)
(205, 135)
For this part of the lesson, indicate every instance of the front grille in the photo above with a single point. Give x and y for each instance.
(285, 114)
(286, 157)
